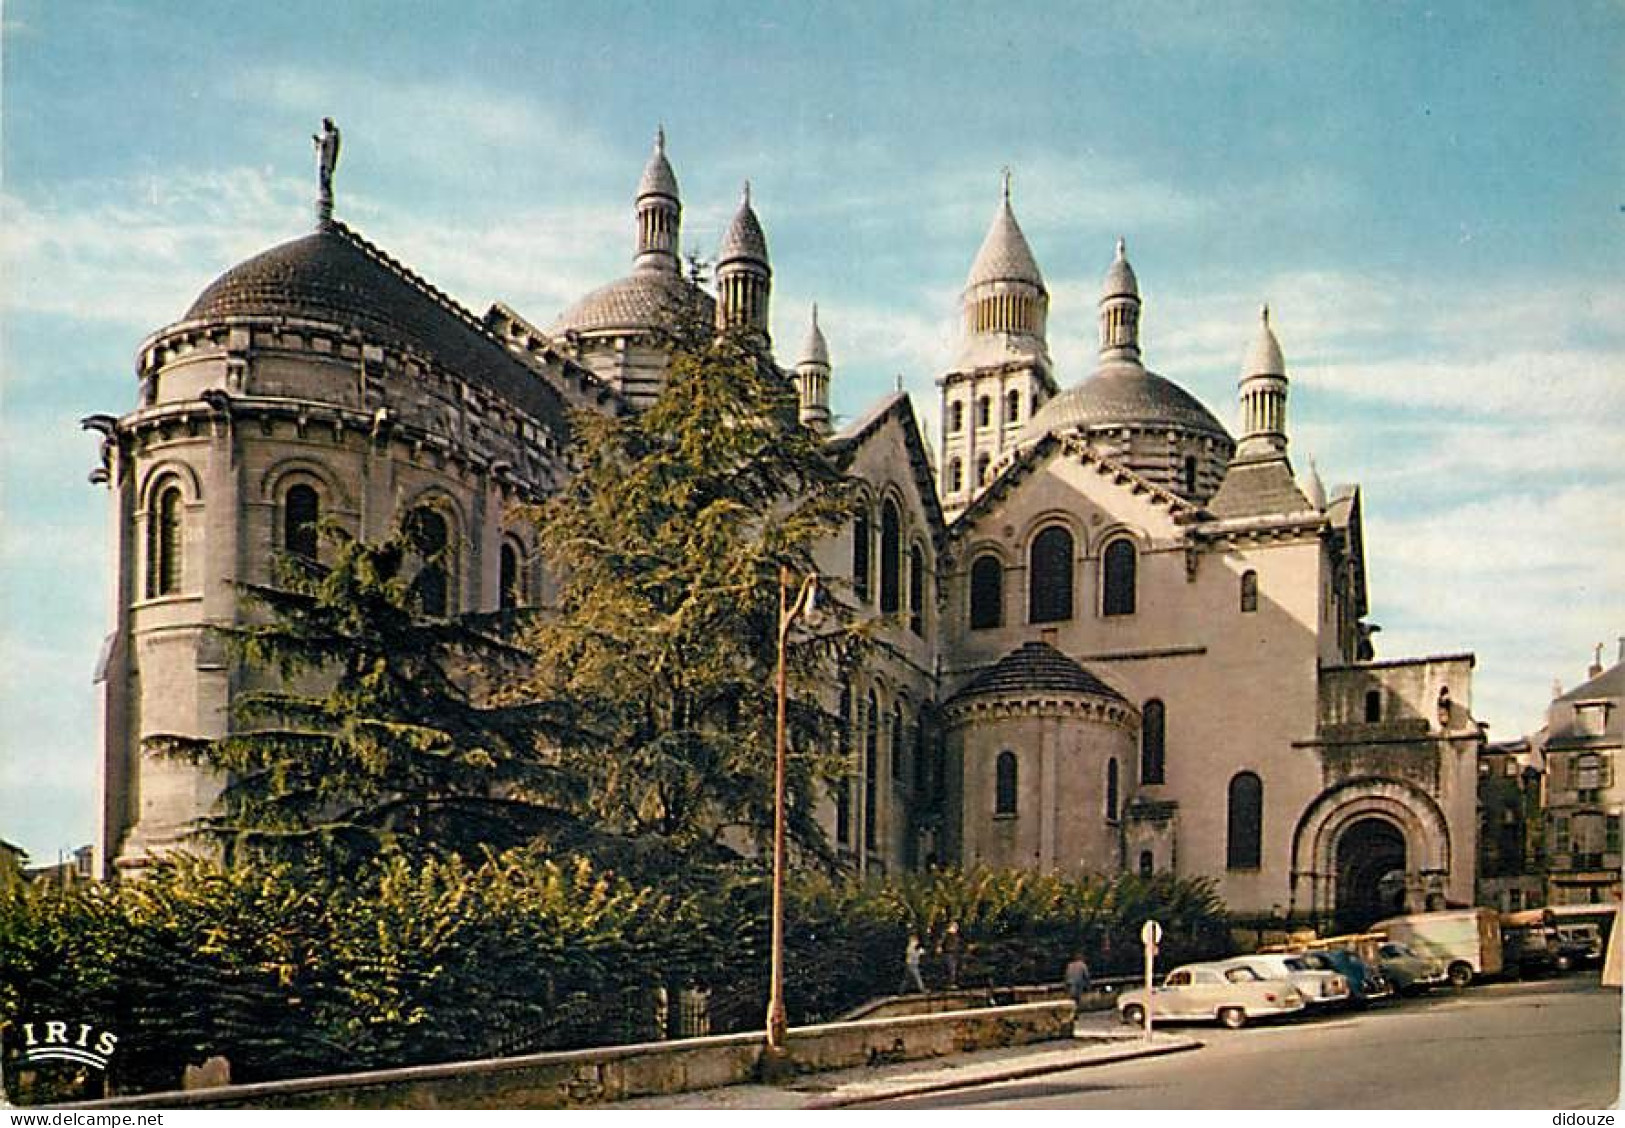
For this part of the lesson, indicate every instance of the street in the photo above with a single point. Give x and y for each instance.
(1544, 1044)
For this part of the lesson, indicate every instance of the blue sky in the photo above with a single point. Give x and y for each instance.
(1431, 198)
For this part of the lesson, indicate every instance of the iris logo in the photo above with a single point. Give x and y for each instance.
(64, 1041)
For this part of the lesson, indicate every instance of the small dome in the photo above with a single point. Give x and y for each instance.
(1264, 354)
(744, 239)
(1123, 394)
(646, 299)
(658, 178)
(814, 350)
(1120, 280)
(1005, 255)
(1037, 666)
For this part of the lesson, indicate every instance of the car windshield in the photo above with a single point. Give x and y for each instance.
(1395, 950)
(1294, 963)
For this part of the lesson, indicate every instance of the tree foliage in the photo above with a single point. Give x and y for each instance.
(369, 725)
(668, 544)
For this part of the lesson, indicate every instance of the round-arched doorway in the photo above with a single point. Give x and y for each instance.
(1370, 873)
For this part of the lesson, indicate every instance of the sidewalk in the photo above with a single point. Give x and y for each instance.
(1099, 1040)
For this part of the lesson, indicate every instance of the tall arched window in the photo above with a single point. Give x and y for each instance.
(916, 590)
(1244, 842)
(897, 742)
(956, 417)
(1148, 864)
(871, 772)
(1004, 784)
(1012, 406)
(164, 540)
(1120, 565)
(1049, 576)
(986, 593)
(1249, 591)
(1111, 789)
(431, 539)
(860, 554)
(301, 510)
(956, 475)
(843, 788)
(1190, 475)
(982, 462)
(1153, 735)
(1373, 706)
(984, 411)
(510, 584)
(891, 548)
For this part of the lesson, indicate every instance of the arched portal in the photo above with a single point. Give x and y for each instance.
(1370, 873)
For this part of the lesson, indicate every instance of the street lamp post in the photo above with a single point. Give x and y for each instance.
(789, 611)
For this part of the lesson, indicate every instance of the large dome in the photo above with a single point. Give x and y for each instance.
(334, 275)
(645, 299)
(1123, 394)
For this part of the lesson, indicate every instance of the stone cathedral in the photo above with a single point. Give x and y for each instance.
(1122, 636)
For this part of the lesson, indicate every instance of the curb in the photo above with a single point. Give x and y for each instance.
(972, 1078)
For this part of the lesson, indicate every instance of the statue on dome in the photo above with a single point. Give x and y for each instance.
(327, 159)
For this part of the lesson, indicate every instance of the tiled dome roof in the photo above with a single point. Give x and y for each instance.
(1005, 255)
(814, 350)
(744, 238)
(644, 299)
(1037, 666)
(335, 275)
(1123, 393)
(1119, 280)
(658, 178)
(1264, 355)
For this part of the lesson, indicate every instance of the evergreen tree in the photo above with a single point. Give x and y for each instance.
(669, 543)
(380, 727)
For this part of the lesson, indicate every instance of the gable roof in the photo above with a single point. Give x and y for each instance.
(1257, 489)
(1028, 459)
(852, 438)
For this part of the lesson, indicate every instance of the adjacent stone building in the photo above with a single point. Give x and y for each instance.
(1119, 637)
(1581, 746)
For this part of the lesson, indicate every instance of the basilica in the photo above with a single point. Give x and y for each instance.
(1121, 637)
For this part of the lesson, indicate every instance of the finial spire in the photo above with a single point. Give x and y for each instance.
(327, 159)
(1264, 313)
(745, 200)
(815, 315)
(660, 138)
(1122, 249)
(1005, 177)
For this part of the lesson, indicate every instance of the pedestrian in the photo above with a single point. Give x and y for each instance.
(950, 949)
(1077, 979)
(911, 965)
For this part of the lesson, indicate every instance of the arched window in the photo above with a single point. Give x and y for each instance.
(916, 590)
(431, 539)
(1190, 475)
(891, 547)
(843, 789)
(1120, 564)
(1153, 735)
(1111, 790)
(897, 742)
(982, 462)
(301, 510)
(1148, 864)
(986, 593)
(956, 417)
(164, 541)
(1245, 837)
(1249, 591)
(511, 583)
(956, 475)
(871, 772)
(1373, 706)
(860, 554)
(1012, 406)
(1049, 576)
(984, 411)
(1004, 784)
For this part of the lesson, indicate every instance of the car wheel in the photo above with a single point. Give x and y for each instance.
(1232, 1018)
(1133, 1015)
(1460, 974)
(1565, 964)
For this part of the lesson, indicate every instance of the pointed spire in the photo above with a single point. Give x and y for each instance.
(1263, 396)
(814, 350)
(1007, 184)
(659, 211)
(1264, 357)
(1004, 255)
(1120, 310)
(658, 178)
(812, 377)
(1316, 489)
(744, 276)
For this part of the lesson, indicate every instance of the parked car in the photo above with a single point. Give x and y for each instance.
(1229, 995)
(1319, 988)
(1409, 973)
(1529, 945)
(1578, 945)
(1366, 983)
(1466, 941)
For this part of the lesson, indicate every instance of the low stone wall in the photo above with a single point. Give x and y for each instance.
(1103, 997)
(581, 1077)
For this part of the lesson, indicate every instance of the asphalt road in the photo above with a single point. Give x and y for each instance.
(1552, 1044)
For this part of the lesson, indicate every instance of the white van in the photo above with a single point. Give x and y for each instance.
(1466, 941)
